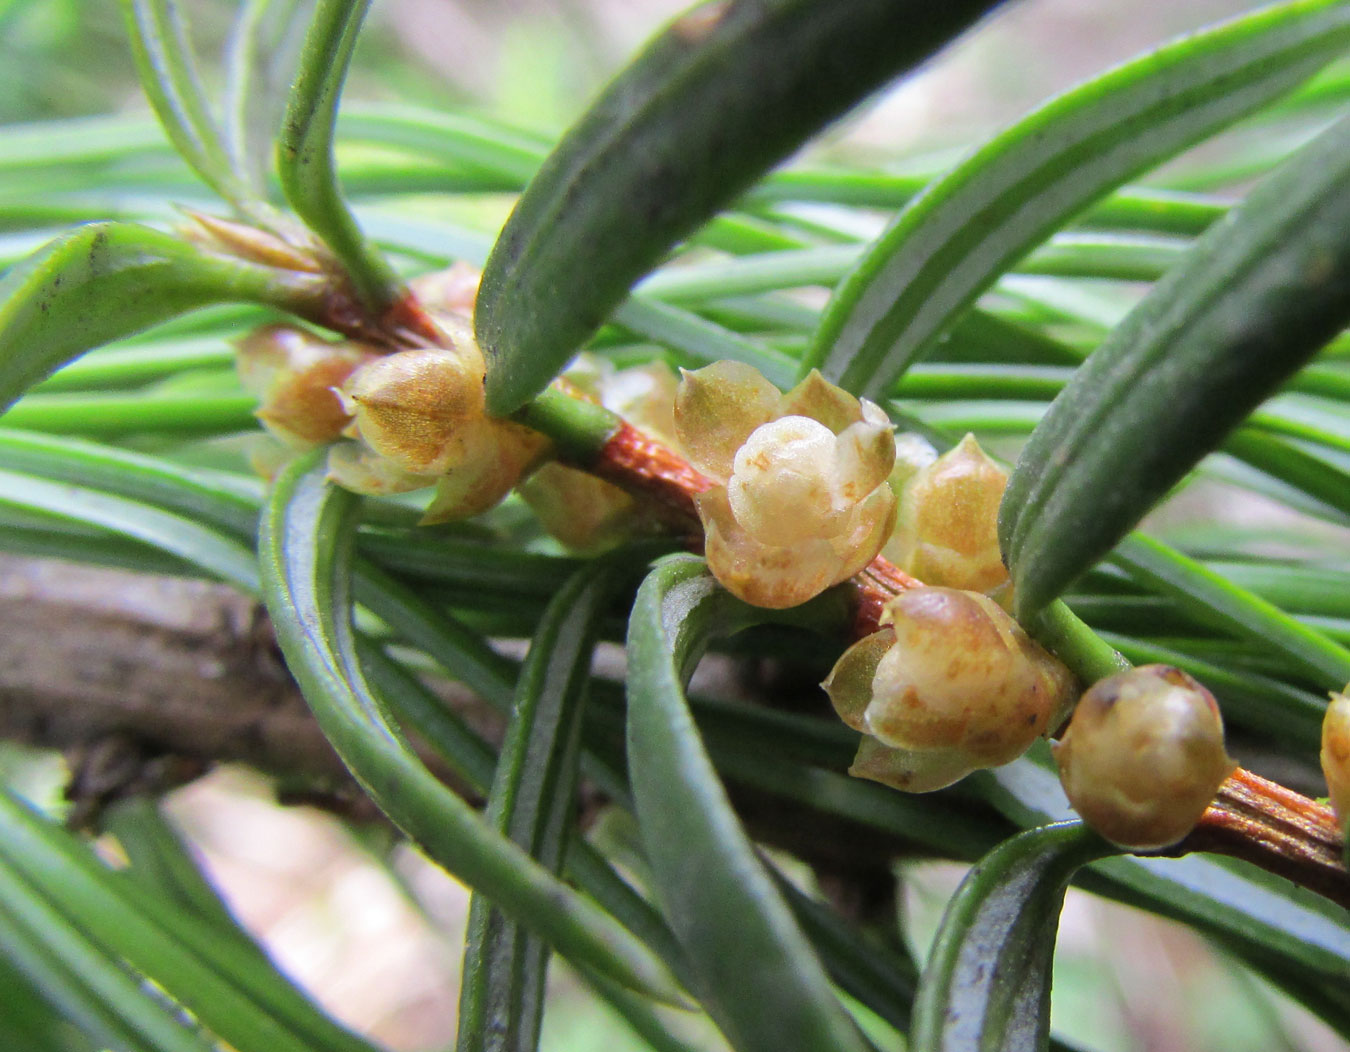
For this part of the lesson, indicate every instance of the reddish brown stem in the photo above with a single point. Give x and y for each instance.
(1277, 829)
(640, 464)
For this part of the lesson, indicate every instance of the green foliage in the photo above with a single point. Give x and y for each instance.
(1177, 337)
(987, 984)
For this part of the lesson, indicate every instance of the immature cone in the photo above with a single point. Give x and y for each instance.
(803, 501)
(950, 686)
(1336, 755)
(294, 374)
(946, 532)
(1143, 756)
(417, 408)
(420, 418)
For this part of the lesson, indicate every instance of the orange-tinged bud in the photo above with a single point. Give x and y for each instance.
(260, 246)
(946, 532)
(1143, 756)
(963, 675)
(1336, 755)
(414, 407)
(294, 374)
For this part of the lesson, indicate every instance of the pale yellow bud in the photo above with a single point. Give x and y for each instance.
(803, 502)
(962, 675)
(294, 374)
(946, 532)
(849, 686)
(295, 251)
(716, 408)
(414, 407)
(784, 488)
(1336, 755)
(1143, 756)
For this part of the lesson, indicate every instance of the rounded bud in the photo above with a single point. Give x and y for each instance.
(782, 488)
(962, 675)
(412, 406)
(1336, 755)
(802, 501)
(946, 532)
(1143, 756)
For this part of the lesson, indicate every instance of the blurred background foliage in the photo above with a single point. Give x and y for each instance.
(373, 930)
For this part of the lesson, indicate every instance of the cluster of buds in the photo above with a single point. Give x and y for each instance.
(802, 501)
(582, 511)
(946, 532)
(399, 421)
(950, 684)
(418, 419)
(1144, 756)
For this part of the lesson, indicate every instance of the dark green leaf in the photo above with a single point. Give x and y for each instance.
(28, 1017)
(1255, 298)
(501, 998)
(161, 862)
(754, 969)
(305, 547)
(724, 93)
(305, 151)
(224, 557)
(225, 502)
(108, 280)
(987, 982)
(972, 225)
